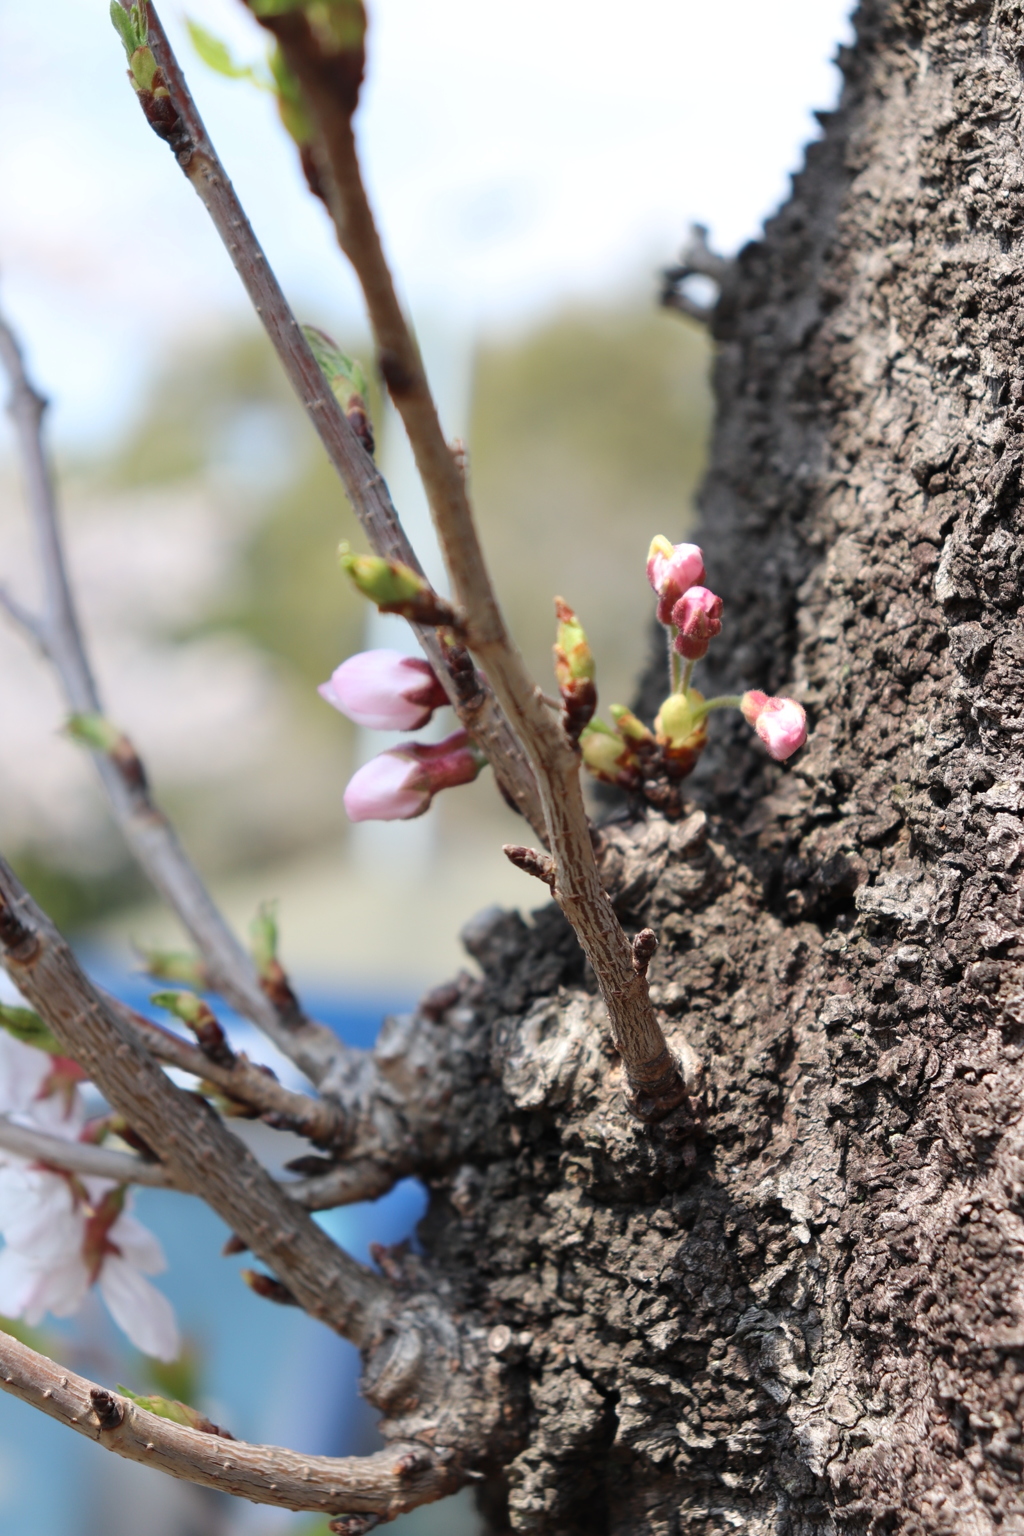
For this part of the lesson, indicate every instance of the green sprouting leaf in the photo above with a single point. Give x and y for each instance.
(144, 68)
(274, 7)
(92, 730)
(289, 99)
(343, 373)
(263, 931)
(123, 26)
(178, 1413)
(29, 1028)
(216, 55)
(174, 965)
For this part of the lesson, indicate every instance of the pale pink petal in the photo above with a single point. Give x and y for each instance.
(379, 790)
(38, 1214)
(138, 1245)
(384, 690)
(139, 1309)
(59, 1114)
(19, 1282)
(782, 726)
(30, 1290)
(698, 617)
(23, 1070)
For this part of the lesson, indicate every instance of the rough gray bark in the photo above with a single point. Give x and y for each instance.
(809, 1318)
(817, 1322)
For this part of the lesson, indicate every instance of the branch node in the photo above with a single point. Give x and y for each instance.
(644, 945)
(108, 1409)
(353, 1525)
(531, 862)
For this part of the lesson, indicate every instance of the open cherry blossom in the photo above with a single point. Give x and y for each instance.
(64, 1233)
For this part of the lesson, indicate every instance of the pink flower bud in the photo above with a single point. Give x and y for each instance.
(400, 784)
(385, 691)
(780, 723)
(671, 569)
(698, 618)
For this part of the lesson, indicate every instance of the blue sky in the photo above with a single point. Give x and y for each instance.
(518, 156)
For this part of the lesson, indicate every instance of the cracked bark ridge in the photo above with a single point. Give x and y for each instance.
(810, 1320)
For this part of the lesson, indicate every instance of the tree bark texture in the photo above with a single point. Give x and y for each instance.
(811, 1319)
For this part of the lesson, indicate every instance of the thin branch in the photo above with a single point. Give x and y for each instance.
(321, 1121)
(385, 1484)
(696, 259)
(180, 124)
(81, 1157)
(26, 407)
(349, 1183)
(199, 1152)
(314, 1048)
(27, 621)
(344, 1185)
(329, 74)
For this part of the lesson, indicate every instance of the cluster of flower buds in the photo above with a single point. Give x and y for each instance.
(387, 691)
(635, 758)
(63, 1232)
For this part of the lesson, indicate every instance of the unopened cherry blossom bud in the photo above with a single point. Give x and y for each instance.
(671, 570)
(385, 690)
(780, 723)
(399, 784)
(698, 618)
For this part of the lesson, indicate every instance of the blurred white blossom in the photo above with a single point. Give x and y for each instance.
(64, 1232)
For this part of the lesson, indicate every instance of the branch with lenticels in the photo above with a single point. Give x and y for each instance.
(384, 1485)
(327, 62)
(172, 114)
(426, 1369)
(321, 1120)
(197, 1149)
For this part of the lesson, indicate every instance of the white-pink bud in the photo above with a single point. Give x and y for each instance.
(698, 618)
(399, 784)
(385, 690)
(671, 570)
(780, 723)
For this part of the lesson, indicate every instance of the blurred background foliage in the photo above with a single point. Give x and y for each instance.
(586, 437)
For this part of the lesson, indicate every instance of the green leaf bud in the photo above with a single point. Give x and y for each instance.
(144, 69)
(627, 724)
(264, 935)
(396, 588)
(605, 754)
(574, 660)
(29, 1028)
(174, 965)
(177, 1413)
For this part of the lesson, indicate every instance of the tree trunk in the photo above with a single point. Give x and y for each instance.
(812, 1319)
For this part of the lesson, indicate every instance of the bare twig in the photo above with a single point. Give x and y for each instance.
(183, 128)
(199, 1152)
(314, 1048)
(386, 1484)
(329, 73)
(320, 1120)
(696, 259)
(344, 1185)
(81, 1157)
(24, 619)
